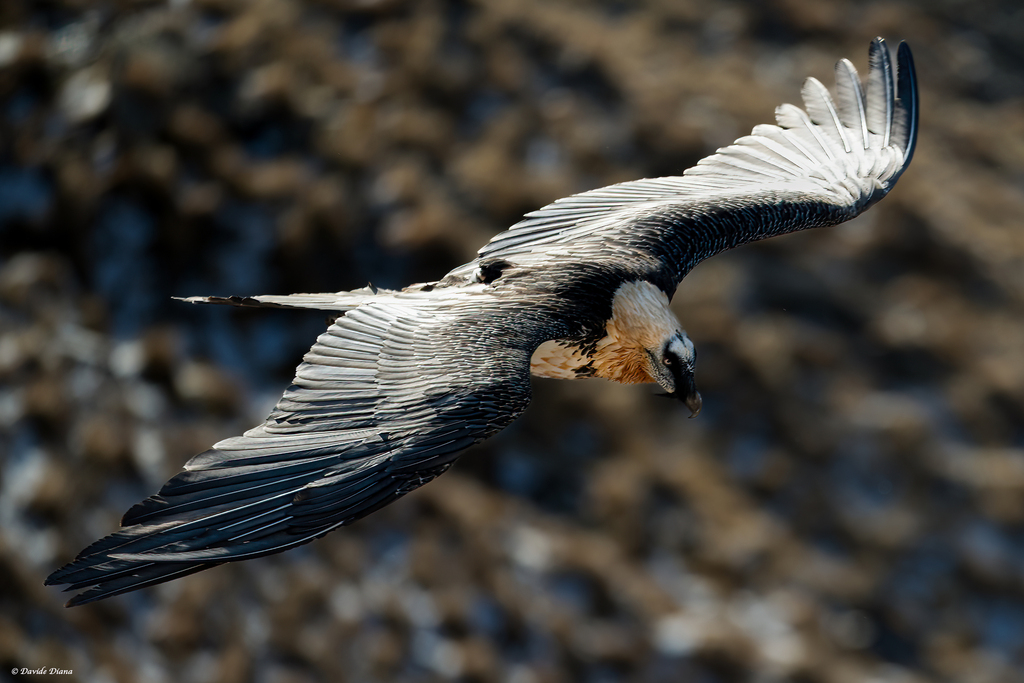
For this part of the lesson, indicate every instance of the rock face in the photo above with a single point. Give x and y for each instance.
(847, 507)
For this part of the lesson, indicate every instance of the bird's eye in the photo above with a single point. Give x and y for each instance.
(668, 361)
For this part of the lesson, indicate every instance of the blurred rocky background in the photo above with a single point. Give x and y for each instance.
(849, 506)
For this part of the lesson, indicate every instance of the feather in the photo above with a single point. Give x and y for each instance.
(822, 111)
(880, 92)
(905, 122)
(850, 102)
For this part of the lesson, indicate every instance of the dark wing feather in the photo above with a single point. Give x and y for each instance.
(819, 166)
(383, 402)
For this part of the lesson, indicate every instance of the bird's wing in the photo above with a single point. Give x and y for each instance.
(382, 403)
(820, 165)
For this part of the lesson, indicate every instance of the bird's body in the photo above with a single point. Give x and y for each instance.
(403, 381)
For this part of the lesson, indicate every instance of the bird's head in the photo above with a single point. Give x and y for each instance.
(671, 365)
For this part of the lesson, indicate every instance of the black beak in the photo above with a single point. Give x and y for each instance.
(694, 403)
(688, 394)
(686, 389)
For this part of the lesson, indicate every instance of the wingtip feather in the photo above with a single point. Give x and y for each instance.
(880, 91)
(822, 111)
(906, 92)
(850, 102)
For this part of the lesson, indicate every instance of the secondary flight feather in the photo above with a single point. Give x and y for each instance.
(403, 381)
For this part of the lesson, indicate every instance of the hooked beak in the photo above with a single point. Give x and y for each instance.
(683, 383)
(694, 403)
(688, 394)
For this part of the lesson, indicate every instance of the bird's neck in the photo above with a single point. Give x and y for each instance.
(641, 320)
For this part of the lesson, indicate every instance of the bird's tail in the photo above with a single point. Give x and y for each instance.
(331, 301)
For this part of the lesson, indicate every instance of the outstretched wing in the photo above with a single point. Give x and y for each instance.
(382, 403)
(819, 166)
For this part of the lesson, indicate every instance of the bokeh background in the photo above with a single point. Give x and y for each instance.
(849, 506)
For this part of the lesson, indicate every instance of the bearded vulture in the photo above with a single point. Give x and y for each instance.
(404, 381)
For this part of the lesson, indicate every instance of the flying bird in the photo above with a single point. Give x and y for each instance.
(403, 381)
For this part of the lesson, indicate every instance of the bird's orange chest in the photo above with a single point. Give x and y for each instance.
(641, 320)
(560, 359)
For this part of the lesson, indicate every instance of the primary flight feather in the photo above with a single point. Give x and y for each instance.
(403, 381)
